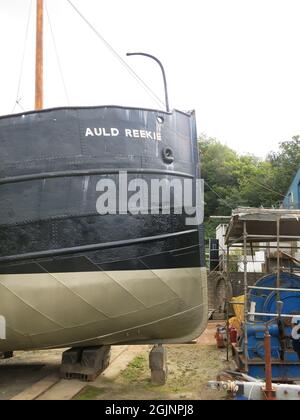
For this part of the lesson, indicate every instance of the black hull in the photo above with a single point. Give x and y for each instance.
(49, 224)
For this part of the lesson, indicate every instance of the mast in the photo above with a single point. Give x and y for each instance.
(39, 55)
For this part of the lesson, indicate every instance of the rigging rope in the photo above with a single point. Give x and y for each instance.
(266, 187)
(116, 54)
(18, 99)
(57, 54)
(212, 190)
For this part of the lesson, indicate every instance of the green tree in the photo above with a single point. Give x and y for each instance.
(217, 163)
(286, 163)
(233, 181)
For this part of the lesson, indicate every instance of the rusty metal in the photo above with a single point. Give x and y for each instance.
(227, 301)
(245, 236)
(273, 223)
(39, 55)
(228, 344)
(268, 390)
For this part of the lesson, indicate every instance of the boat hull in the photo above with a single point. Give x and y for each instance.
(72, 276)
(93, 308)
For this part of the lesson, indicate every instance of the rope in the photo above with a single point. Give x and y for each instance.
(266, 187)
(57, 55)
(18, 99)
(116, 54)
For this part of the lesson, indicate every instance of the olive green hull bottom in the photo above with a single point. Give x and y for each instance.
(42, 311)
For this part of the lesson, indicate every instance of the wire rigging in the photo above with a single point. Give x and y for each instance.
(117, 55)
(57, 54)
(18, 99)
(212, 190)
(266, 187)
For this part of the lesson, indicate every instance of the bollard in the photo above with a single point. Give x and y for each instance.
(158, 365)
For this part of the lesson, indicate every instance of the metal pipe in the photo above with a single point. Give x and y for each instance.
(227, 302)
(267, 257)
(269, 390)
(268, 315)
(272, 237)
(269, 247)
(252, 261)
(253, 390)
(274, 289)
(163, 73)
(278, 284)
(227, 331)
(245, 236)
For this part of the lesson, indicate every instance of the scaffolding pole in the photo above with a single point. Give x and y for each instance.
(242, 233)
(245, 236)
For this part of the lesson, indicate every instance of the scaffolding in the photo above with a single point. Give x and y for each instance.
(250, 227)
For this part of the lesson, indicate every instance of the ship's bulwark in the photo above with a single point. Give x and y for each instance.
(71, 277)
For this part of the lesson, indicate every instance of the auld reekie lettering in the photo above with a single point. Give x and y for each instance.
(128, 133)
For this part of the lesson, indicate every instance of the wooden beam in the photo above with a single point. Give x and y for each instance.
(39, 90)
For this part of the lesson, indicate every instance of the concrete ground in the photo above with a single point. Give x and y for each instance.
(35, 375)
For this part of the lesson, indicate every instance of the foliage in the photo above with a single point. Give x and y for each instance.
(233, 181)
(134, 369)
(89, 393)
(286, 163)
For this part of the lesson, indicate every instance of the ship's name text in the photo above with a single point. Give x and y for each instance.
(128, 133)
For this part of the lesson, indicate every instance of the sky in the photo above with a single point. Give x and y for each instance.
(236, 62)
